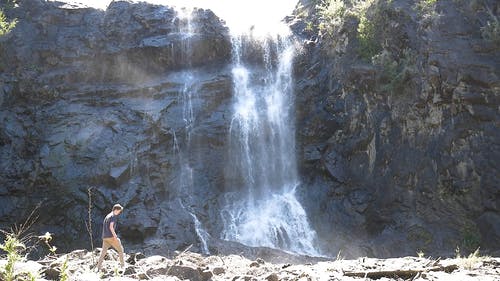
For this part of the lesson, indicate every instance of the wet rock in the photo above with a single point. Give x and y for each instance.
(185, 272)
(118, 174)
(272, 277)
(205, 274)
(489, 227)
(254, 264)
(134, 257)
(218, 270)
(335, 164)
(51, 273)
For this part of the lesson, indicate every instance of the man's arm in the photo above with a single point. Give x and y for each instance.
(112, 229)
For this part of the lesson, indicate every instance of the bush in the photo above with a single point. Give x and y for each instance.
(13, 247)
(5, 25)
(18, 244)
(332, 11)
(472, 261)
(426, 6)
(368, 44)
(331, 14)
(372, 17)
(426, 10)
(395, 72)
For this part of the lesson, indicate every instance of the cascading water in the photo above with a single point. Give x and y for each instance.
(260, 206)
(262, 150)
(186, 177)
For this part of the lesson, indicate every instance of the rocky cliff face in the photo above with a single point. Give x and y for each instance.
(94, 98)
(396, 155)
(400, 153)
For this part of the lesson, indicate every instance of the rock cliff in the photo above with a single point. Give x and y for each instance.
(397, 116)
(94, 99)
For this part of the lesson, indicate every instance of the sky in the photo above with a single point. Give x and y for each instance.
(238, 14)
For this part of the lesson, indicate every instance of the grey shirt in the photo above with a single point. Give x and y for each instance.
(106, 232)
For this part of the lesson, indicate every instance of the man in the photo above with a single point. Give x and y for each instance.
(109, 237)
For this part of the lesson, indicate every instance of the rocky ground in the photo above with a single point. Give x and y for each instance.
(192, 266)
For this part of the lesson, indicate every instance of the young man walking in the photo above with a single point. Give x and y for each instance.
(109, 237)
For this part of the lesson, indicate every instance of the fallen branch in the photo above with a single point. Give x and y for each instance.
(178, 256)
(401, 273)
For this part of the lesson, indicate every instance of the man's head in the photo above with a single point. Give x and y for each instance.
(117, 209)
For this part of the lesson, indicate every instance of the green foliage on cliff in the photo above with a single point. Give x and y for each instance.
(471, 238)
(6, 25)
(334, 12)
(425, 5)
(331, 13)
(426, 9)
(368, 44)
(395, 72)
(372, 22)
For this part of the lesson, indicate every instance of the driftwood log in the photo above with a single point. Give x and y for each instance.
(401, 273)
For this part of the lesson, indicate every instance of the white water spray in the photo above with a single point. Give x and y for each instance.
(262, 149)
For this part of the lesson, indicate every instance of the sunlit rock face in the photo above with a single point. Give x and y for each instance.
(408, 161)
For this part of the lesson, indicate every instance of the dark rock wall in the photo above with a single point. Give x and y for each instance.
(392, 169)
(92, 98)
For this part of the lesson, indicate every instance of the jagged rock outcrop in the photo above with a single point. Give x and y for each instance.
(401, 154)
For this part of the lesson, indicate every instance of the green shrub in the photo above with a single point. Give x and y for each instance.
(427, 9)
(16, 249)
(12, 246)
(331, 13)
(471, 238)
(372, 17)
(5, 25)
(368, 44)
(63, 276)
(395, 72)
(472, 261)
(332, 10)
(426, 5)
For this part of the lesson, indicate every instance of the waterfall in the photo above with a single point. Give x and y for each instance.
(261, 206)
(186, 177)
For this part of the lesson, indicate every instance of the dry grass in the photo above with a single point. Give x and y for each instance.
(472, 261)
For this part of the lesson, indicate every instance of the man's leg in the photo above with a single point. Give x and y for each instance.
(120, 252)
(117, 244)
(105, 246)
